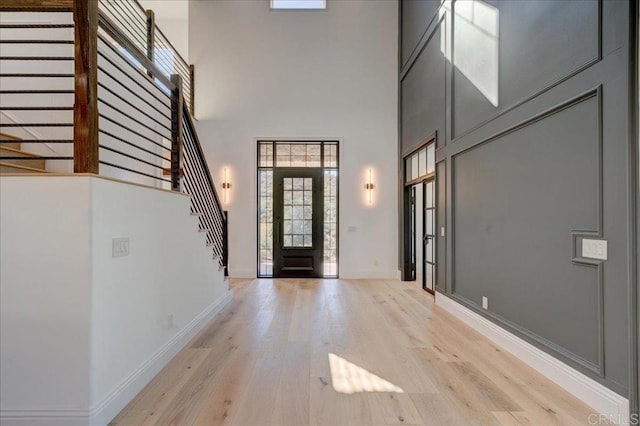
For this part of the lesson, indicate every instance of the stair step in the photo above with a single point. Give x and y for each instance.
(6, 167)
(5, 137)
(12, 152)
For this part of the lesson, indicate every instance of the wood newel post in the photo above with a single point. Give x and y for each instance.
(151, 34)
(192, 97)
(85, 109)
(177, 102)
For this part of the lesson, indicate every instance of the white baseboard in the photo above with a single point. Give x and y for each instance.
(373, 275)
(106, 409)
(242, 273)
(592, 393)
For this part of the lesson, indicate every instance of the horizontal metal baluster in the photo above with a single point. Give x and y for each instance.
(106, 163)
(132, 144)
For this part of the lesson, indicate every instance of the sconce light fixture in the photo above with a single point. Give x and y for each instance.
(225, 186)
(369, 187)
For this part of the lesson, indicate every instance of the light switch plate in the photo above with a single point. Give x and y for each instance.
(594, 249)
(442, 231)
(120, 246)
(485, 302)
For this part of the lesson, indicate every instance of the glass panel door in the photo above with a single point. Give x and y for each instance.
(298, 211)
(429, 238)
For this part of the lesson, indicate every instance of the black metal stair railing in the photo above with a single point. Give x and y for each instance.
(36, 93)
(197, 182)
(122, 90)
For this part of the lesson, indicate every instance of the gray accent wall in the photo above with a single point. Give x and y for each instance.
(531, 106)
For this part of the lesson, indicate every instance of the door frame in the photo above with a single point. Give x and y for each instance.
(337, 141)
(408, 242)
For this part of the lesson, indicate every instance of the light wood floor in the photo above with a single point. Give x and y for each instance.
(345, 352)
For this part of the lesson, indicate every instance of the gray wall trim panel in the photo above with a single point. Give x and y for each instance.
(417, 49)
(538, 341)
(597, 368)
(454, 137)
(594, 304)
(580, 84)
(634, 204)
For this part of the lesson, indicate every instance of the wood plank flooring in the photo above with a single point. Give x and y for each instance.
(345, 352)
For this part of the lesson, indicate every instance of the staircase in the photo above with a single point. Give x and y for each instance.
(10, 146)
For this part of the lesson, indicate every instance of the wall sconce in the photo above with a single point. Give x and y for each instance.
(369, 187)
(226, 186)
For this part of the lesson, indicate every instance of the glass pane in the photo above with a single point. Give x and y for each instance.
(288, 183)
(429, 277)
(422, 162)
(429, 253)
(266, 155)
(283, 155)
(429, 197)
(313, 155)
(330, 155)
(298, 155)
(429, 219)
(330, 226)
(414, 166)
(308, 241)
(298, 212)
(431, 158)
(265, 226)
(298, 206)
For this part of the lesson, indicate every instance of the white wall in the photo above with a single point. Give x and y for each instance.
(302, 74)
(45, 273)
(83, 332)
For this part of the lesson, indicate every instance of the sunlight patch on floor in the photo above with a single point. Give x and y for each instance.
(349, 378)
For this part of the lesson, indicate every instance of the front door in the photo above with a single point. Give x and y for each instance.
(298, 238)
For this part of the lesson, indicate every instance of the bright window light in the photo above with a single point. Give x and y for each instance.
(298, 4)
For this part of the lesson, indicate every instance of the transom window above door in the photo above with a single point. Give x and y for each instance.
(292, 154)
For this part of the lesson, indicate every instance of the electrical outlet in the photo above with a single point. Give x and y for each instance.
(120, 247)
(485, 302)
(594, 249)
(351, 228)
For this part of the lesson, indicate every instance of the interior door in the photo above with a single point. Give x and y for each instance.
(429, 237)
(298, 208)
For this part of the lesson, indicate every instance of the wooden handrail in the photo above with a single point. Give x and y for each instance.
(37, 5)
(85, 111)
